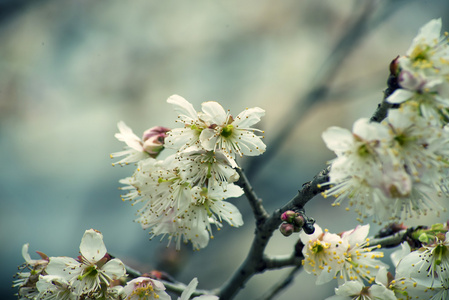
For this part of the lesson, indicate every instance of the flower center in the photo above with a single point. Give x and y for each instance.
(318, 247)
(227, 131)
(439, 252)
(143, 291)
(90, 271)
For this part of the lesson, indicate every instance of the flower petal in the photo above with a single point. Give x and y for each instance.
(92, 246)
(114, 268)
(191, 287)
(183, 108)
(214, 113)
(126, 135)
(399, 96)
(248, 117)
(337, 139)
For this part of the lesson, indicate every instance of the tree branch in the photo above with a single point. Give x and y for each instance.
(260, 214)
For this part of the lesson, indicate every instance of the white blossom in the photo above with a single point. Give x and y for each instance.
(232, 136)
(322, 252)
(54, 287)
(355, 290)
(92, 269)
(359, 261)
(144, 288)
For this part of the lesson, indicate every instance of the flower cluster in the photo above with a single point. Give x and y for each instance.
(398, 169)
(346, 257)
(424, 272)
(292, 222)
(183, 195)
(93, 275)
(423, 74)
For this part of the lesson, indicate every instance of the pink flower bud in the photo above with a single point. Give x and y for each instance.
(288, 216)
(287, 229)
(299, 221)
(153, 140)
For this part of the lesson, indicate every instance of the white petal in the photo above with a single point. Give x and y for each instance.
(337, 139)
(382, 276)
(248, 117)
(25, 254)
(370, 131)
(357, 235)
(214, 113)
(182, 107)
(208, 139)
(114, 268)
(221, 193)
(250, 144)
(428, 33)
(126, 135)
(325, 276)
(381, 292)
(227, 212)
(349, 288)
(65, 267)
(206, 297)
(189, 289)
(397, 255)
(399, 96)
(92, 246)
(179, 138)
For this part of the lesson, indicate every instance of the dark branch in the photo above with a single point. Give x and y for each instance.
(255, 202)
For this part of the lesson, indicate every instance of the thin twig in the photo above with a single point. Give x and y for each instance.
(255, 202)
(279, 262)
(390, 241)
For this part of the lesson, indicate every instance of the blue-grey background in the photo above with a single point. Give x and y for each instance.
(70, 70)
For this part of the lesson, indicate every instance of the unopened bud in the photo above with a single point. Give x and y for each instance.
(394, 66)
(288, 216)
(308, 228)
(299, 221)
(287, 229)
(153, 140)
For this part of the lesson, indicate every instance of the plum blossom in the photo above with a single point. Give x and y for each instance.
(214, 129)
(359, 261)
(93, 267)
(322, 252)
(232, 136)
(29, 274)
(144, 288)
(355, 290)
(54, 287)
(423, 74)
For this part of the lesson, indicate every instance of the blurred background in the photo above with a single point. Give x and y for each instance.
(70, 70)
